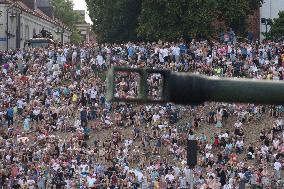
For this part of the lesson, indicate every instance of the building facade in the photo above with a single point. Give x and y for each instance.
(83, 27)
(20, 20)
(84, 30)
(254, 26)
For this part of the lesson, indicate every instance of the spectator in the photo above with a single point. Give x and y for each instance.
(54, 103)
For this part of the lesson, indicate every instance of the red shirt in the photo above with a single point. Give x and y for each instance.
(15, 171)
(24, 78)
(113, 179)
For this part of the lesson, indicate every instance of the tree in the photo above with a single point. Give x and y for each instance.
(277, 28)
(76, 37)
(254, 4)
(64, 12)
(235, 13)
(114, 20)
(199, 17)
(160, 20)
(122, 20)
(170, 20)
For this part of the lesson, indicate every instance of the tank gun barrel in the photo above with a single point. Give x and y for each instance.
(184, 88)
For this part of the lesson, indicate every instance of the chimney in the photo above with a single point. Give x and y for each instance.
(31, 4)
(49, 11)
(46, 7)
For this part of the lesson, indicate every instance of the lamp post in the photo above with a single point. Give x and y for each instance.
(267, 22)
(57, 33)
(62, 35)
(61, 32)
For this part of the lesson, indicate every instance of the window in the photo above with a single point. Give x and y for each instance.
(22, 31)
(27, 32)
(12, 27)
(34, 32)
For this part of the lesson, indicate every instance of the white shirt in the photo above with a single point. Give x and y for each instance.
(211, 174)
(21, 182)
(84, 168)
(93, 94)
(277, 166)
(20, 103)
(100, 60)
(239, 143)
(91, 181)
(8, 157)
(128, 142)
(279, 122)
(186, 172)
(264, 149)
(139, 175)
(176, 51)
(36, 112)
(56, 166)
(225, 135)
(31, 184)
(177, 171)
(227, 186)
(74, 54)
(238, 124)
(165, 52)
(182, 182)
(156, 117)
(208, 147)
(209, 155)
(63, 58)
(170, 177)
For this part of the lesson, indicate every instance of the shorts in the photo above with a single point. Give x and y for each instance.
(158, 144)
(218, 124)
(166, 59)
(20, 111)
(211, 114)
(93, 100)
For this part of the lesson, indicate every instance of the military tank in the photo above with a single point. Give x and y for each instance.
(185, 88)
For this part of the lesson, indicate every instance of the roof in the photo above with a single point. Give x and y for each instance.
(37, 12)
(4, 2)
(43, 3)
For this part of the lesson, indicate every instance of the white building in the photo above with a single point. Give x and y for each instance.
(21, 20)
(83, 27)
(269, 10)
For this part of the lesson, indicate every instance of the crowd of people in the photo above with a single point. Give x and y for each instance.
(59, 131)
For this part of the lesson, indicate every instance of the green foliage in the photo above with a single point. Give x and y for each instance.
(176, 19)
(114, 20)
(235, 13)
(254, 4)
(122, 20)
(277, 28)
(64, 12)
(199, 17)
(76, 37)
